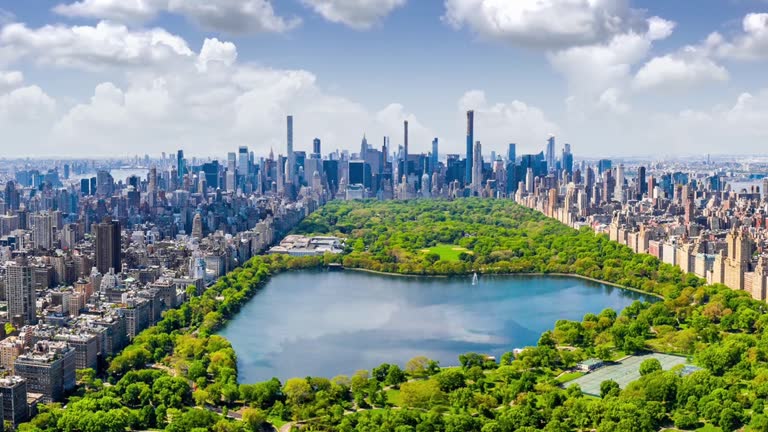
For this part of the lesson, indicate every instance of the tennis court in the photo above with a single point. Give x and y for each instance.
(623, 372)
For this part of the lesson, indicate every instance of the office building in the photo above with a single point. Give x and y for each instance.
(108, 246)
(512, 153)
(550, 154)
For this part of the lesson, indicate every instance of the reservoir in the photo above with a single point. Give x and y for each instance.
(316, 323)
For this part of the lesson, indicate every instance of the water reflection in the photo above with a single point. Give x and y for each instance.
(330, 323)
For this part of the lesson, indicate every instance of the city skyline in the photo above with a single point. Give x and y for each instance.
(104, 78)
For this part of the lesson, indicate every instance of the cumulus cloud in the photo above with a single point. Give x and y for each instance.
(357, 14)
(498, 124)
(169, 96)
(684, 69)
(93, 47)
(752, 44)
(545, 23)
(227, 16)
(10, 79)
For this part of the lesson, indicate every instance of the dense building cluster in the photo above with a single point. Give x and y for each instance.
(87, 263)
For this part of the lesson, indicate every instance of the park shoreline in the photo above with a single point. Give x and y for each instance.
(571, 275)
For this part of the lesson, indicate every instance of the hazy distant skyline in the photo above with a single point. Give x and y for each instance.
(611, 77)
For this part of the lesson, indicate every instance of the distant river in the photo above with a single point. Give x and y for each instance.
(313, 323)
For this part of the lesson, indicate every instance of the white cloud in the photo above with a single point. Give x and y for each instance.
(497, 124)
(680, 70)
(93, 48)
(10, 79)
(545, 23)
(358, 14)
(226, 16)
(598, 75)
(751, 45)
(216, 51)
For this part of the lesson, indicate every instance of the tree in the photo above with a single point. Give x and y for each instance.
(649, 366)
(421, 394)
(395, 376)
(297, 391)
(254, 418)
(201, 397)
(450, 379)
(421, 366)
(609, 388)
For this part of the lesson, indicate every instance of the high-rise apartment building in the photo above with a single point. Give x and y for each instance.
(49, 369)
(291, 170)
(108, 246)
(13, 390)
(20, 292)
(470, 142)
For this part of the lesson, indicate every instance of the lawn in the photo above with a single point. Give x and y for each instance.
(569, 377)
(447, 252)
(393, 397)
(276, 421)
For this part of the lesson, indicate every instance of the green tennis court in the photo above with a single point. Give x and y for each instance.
(623, 372)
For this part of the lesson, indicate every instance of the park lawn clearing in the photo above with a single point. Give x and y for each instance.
(447, 252)
(393, 397)
(564, 378)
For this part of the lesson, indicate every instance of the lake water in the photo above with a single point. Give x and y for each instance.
(313, 323)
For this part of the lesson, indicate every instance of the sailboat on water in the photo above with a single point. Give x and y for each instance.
(474, 279)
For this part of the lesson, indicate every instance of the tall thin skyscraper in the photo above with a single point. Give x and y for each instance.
(618, 193)
(477, 167)
(470, 142)
(180, 166)
(434, 155)
(405, 148)
(291, 157)
(550, 153)
(108, 247)
(512, 153)
(20, 292)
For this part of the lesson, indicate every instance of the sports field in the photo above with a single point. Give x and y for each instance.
(623, 372)
(447, 252)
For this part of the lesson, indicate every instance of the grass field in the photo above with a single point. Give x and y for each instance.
(447, 252)
(393, 397)
(569, 377)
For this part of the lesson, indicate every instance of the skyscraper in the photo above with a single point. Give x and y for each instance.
(405, 148)
(434, 155)
(550, 153)
(242, 163)
(231, 179)
(108, 247)
(20, 293)
(512, 153)
(316, 150)
(42, 230)
(470, 142)
(291, 157)
(567, 160)
(180, 166)
(477, 168)
(197, 227)
(618, 193)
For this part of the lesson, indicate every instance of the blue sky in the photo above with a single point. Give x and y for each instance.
(642, 77)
